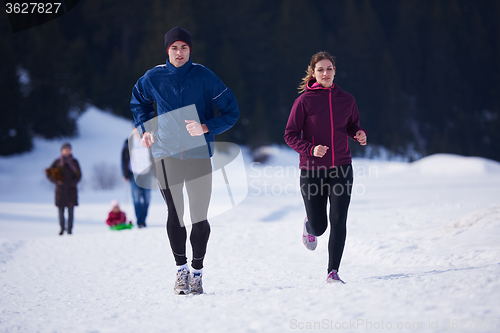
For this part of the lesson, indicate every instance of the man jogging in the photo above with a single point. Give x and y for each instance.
(179, 87)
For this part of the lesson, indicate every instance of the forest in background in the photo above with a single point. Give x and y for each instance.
(425, 73)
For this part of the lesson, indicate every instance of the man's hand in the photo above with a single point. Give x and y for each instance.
(320, 151)
(147, 139)
(196, 129)
(361, 137)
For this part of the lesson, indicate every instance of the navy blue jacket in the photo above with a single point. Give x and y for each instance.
(173, 88)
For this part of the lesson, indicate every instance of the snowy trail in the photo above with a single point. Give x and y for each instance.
(258, 277)
(422, 254)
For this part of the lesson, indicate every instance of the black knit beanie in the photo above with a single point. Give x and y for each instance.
(176, 34)
(66, 145)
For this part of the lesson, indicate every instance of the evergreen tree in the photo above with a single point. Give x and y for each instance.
(425, 73)
(15, 133)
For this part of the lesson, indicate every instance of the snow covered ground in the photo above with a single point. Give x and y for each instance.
(422, 251)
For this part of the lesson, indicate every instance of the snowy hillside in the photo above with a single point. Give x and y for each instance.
(422, 251)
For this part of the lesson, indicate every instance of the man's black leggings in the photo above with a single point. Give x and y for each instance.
(196, 174)
(317, 188)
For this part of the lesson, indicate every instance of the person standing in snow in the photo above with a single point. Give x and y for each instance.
(137, 161)
(65, 173)
(320, 123)
(177, 84)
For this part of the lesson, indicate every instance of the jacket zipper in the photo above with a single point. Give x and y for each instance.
(331, 125)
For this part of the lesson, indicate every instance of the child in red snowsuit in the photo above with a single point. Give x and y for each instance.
(116, 216)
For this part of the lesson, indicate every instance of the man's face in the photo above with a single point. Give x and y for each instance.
(178, 53)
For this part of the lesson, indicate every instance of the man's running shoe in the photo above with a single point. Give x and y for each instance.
(181, 286)
(196, 285)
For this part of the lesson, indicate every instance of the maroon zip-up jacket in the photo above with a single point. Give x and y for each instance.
(322, 116)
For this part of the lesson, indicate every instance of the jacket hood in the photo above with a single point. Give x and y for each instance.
(312, 84)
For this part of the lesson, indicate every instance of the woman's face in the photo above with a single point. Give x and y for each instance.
(178, 53)
(324, 73)
(66, 151)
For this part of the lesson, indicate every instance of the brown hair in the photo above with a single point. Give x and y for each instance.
(310, 69)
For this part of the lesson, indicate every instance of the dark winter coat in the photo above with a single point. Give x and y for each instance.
(127, 173)
(322, 116)
(126, 168)
(66, 193)
(173, 88)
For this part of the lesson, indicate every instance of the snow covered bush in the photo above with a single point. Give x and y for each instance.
(104, 176)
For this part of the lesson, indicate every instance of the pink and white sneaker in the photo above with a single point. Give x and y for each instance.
(309, 240)
(333, 277)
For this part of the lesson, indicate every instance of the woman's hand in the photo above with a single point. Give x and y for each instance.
(196, 129)
(147, 139)
(361, 137)
(320, 151)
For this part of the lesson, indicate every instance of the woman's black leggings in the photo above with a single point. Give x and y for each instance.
(196, 174)
(318, 187)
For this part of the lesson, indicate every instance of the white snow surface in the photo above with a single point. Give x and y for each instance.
(422, 251)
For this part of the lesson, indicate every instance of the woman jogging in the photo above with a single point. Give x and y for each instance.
(178, 87)
(320, 122)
